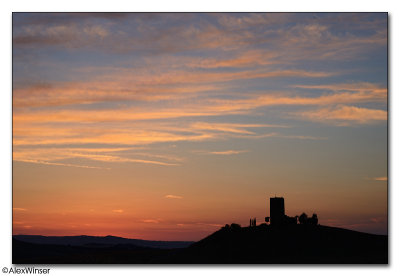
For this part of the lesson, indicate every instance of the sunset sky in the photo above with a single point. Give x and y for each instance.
(168, 126)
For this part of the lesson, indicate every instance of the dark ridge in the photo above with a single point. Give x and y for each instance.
(107, 240)
(30, 253)
(232, 244)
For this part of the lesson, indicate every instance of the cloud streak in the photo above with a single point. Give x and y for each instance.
(47, 156)
(19, 209)
(344, 115)
(58, 164)
(151, 221)
(227, 152)
(173, 197)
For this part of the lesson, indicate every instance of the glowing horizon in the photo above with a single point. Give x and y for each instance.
(167, 126)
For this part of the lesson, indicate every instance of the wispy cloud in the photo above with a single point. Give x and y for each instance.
(383, 178)
(173, 197)
(118, 211)
(130, 85)
(64, 127)
(361, 87)
(227, 152)
(67, 144)
(95, 91)
(204, 108)
(344, 115)
(302, 137)
(233, 128)
(110, 158)
(119, 136)
(151, 221)
(124, 134)
(47, 156)
(290, 99)
(19, 209)
(58, 164)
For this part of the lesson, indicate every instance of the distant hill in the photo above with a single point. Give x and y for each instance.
(292, 244)
(100, 241)
(33, 253)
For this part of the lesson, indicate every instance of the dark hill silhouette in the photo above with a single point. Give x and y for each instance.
(264, 244)
(100, 241)
(288, 244)
(31, 253)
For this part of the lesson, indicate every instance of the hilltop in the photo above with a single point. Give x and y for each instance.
(315, 244)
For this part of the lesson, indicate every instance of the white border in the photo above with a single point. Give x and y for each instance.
(8, 6)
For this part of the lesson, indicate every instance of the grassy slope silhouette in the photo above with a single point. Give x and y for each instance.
(292, 244)
(90, 241)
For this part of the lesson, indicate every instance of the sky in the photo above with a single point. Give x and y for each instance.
(167, 126)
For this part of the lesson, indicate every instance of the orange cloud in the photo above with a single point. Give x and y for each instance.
(110, 158)
(202, 108)
(102, 91)
(342, 115)
(19, 209)
(233, 128)
(47, 156)
(60, 127)
(120, 136)
(281, 99)
(227, 152)
(383, 178)
(30, 143)
(129, 84)
(108, 115)
(250, 58)
(173, 197)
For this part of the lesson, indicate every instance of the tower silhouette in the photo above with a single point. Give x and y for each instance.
(277, 210)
